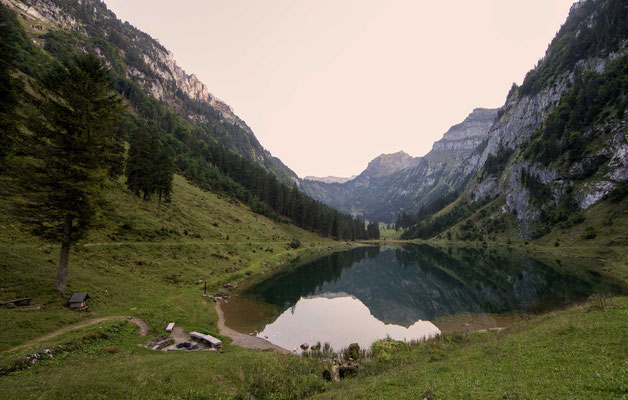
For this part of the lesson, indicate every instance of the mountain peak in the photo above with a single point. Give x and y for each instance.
(467, 135)
(386, 164)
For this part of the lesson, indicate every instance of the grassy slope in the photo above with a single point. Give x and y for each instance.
(609, 220)
(576, 354)
(143, 262)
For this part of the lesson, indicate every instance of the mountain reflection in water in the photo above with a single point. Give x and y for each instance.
(364, 294)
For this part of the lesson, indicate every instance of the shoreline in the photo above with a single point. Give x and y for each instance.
(243, 340)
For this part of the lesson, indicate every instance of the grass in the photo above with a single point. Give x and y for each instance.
(144, 262)
(575, 354)
(609, 246)
(153, 265)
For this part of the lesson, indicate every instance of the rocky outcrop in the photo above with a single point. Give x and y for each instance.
(468, 135)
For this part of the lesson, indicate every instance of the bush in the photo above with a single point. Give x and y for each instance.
(295, 244)
(589, 233)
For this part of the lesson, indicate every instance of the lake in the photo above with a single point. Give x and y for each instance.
(408, 293)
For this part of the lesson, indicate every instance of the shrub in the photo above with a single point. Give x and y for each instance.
(295, 243)
(589, 233)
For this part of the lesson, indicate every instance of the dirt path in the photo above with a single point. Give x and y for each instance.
(137, 321)
(245, 341)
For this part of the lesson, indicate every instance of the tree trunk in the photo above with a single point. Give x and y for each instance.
(159, 201)
(62, 272)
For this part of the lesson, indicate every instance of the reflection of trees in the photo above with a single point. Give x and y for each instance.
(285, 289)
(424, 282)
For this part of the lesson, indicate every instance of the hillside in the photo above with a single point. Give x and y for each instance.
(558, 146)
(168, 110)
(146, 73)
(143, 259)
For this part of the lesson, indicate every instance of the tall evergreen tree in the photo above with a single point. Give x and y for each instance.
(8, 85)
(140, 163)
(74, 146)
(163, 175)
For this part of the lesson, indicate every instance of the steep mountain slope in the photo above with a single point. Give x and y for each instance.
(147, 66)
(207, 143)
(559, 144)
(397, 182)
(562, 140)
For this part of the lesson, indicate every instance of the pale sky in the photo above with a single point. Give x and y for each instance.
(327, 85)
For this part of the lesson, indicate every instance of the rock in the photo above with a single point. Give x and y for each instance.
(183, 345)
(164, 344)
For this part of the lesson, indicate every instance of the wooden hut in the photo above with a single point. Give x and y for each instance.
(78, 301)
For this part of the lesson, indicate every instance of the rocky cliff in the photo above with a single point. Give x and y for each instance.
(466, 136)
(564, 137)
(144, 61)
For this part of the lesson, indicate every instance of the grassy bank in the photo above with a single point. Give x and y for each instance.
(578, 353)
(144, 262)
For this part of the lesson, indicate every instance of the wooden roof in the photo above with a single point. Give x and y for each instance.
(78, 297)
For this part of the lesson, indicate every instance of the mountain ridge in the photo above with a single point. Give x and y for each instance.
(398, 182)
(152, 67)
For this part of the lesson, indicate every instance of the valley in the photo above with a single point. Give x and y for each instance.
(495, 266)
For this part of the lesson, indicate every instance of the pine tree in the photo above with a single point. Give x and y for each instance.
(140, 172)
(163, 175)
(8, 85)
(74, 145)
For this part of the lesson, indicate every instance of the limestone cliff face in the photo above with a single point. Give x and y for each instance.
(398, 182)
(521, 117)
(466, 136)
(150, 66)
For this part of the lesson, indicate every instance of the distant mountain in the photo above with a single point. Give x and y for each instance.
(329, 179)
(387, 164)
(398, 182)
(556, 147)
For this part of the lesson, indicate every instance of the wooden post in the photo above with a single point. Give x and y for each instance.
(205, 291)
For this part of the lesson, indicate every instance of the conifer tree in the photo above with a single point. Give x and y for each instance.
(75, 145)
(164, 170)
(8, 85)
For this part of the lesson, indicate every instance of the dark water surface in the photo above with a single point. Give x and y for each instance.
(413, 292)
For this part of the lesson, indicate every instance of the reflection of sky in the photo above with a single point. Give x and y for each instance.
(339, 321)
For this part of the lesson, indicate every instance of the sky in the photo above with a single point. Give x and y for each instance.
(328, 85)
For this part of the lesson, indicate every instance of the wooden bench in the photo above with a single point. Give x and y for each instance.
(206, 338)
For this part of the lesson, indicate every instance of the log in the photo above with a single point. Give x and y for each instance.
(18, 302)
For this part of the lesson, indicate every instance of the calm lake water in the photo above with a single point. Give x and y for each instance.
(413, 292)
